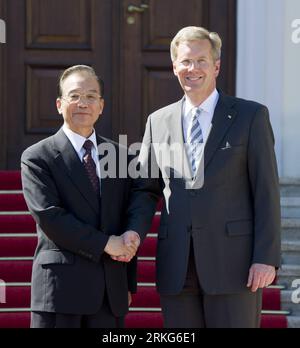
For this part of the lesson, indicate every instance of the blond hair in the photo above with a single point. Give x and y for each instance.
(79, 69)
(194, 34)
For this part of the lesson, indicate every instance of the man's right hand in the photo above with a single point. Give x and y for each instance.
(130, 238)
(116, 247)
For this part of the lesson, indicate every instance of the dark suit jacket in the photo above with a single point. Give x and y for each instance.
(234, 219)
(70, 268)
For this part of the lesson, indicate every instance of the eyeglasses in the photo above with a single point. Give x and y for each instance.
(188, 63)
(89, 98)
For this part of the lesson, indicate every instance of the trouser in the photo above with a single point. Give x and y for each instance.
(192, 308)
(104, 318)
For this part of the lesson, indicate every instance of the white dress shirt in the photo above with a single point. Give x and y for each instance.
(206, 116)
(77, 142)
(207, 112)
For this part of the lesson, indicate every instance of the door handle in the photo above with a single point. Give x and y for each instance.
(137, 9)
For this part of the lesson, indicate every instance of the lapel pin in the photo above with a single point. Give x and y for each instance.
(230, 117)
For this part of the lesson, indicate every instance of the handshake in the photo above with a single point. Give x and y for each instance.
(123, 248)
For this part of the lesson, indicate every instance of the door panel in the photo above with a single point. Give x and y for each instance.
(72, 29)
(147, 79)
(130, 51)
(50, 36)
(163, 18)
(41, 113)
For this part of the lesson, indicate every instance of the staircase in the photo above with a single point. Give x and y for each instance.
(290, 270)
(18, 241)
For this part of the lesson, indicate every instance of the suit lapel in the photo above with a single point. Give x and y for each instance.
(70, 164)
(224, 117)
(106, 190)
(174, 125)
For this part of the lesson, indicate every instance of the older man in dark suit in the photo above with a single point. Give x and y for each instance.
(219, 236)
(80, 216)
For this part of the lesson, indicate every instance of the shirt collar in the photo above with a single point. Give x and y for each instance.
(208, 105)
(78, 140)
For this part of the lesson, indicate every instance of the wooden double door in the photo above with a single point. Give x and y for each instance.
(126, 41)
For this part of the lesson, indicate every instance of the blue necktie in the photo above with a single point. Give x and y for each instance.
(195, 139)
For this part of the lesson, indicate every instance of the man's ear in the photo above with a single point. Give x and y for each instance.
(58, 105)
(175, 69)
(217, 67)
(101, 106)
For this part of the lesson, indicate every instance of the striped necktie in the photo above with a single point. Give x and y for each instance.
(90, 166)
(195, 139)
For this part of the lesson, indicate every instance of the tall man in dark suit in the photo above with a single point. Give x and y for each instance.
(80, 216)
(219, 235)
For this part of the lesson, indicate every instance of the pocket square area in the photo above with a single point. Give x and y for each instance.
(227, 146)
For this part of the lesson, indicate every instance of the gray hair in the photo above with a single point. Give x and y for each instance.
(194, 34)
(79, 69)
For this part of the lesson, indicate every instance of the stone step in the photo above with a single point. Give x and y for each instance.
(293, 322)
(288, 306)
(289, 187)
(290, 252)
(287, 274)
(290, 207)
(290, 301)
(290, 229)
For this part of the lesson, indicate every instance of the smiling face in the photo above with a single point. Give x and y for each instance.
(80, 116)
(196, 69)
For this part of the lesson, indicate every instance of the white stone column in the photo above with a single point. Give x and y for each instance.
(291, 101)
(260, 58)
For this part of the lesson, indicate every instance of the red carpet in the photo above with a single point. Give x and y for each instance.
(17, 247)
(271, 299)
(148, 248)
(269, 321)
(14, 244)
(155, 224)
(16, 271)
(16, 224)
(19, 297)
(12, 320)
(12, 202)
(140, 320)
(133, 320)
(146, 272)
(10, 180)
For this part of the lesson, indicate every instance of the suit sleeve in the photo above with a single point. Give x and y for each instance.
(264, 181)
(132, 275)
(146, 189)
(59, 225)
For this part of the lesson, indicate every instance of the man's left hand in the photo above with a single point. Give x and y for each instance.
(260, 276)
(130, 239)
